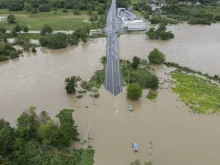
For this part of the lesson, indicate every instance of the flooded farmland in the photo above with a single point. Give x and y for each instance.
(167, 132)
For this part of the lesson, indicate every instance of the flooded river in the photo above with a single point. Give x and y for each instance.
(167, 132)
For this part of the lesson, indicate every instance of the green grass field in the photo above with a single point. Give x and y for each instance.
(58, 21)
(201, 95)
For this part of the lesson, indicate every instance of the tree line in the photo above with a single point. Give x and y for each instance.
(47, 5)
(32, 140)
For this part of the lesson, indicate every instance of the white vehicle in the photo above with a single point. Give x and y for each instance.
(135, 147)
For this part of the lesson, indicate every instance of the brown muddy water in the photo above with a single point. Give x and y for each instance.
(167, 132)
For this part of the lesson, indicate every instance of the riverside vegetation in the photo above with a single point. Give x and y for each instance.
(206, 13)
(160, 33)
(136, 71)
(201, 92)
(35, 137)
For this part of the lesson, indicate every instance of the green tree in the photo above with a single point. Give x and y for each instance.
(68, 129)
(28, 124)
(34, 11)
(44, 7)
(11, 18)
(145, 79)
(57, 41)
(156, 57)
(27, 7)
(17, 28)
(47, 29)
(22, 39)
(135, 62)
(49, 132)
(25, 28)
(162, 27)
(33, 49)
(103, 60)
(94, 17)
(6, 137)
(134, 91)
(71, 84)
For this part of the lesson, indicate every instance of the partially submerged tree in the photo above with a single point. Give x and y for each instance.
(68, 129)
(134, 91)
(71, 84)
(25, 28)
(135, 62)
(156, 57)
(47, 29)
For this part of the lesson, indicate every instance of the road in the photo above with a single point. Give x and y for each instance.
(112, 82)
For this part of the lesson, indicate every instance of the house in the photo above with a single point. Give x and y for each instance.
(198, 4)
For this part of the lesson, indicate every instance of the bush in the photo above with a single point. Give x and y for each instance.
(4, 58)
(57, 41)
(160, 33)
(217, 18)
(44, 8)
(43, 41)
(71, 84)
(34, 11)
(134, 91)
(2, 30)
(11, 18)
(14, 55)
(135, 62)
(76, 12)
(152, 95)
(145, 79)
(47, 29)
(15, 7)
(79, 96)
(156, 57)
(65, 10)
(33, 49)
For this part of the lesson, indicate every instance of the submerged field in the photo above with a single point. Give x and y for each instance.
(58, 20)
(200, 94)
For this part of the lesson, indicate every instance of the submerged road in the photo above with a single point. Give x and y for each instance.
(112, 82)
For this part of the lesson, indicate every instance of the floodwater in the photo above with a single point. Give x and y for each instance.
(167, 132)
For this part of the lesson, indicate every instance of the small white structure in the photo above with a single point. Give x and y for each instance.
(130, 108)
(129, 21)
(198, 4)
(135, 147)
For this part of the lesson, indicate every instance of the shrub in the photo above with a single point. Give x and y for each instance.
(134, 91)
(152, 95)
(76, 12)
(156, 57)
(65, 10)
(43, 41)
(217, 18)
(145, 79)
(44, 8)
(57, 41)
(135, 62)
(33, 49)
(71, 84)
(4, 58)
(14, 55)
(47, 29)
(79, 96)
(34, 11)
(11, 18)
(2, 30)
